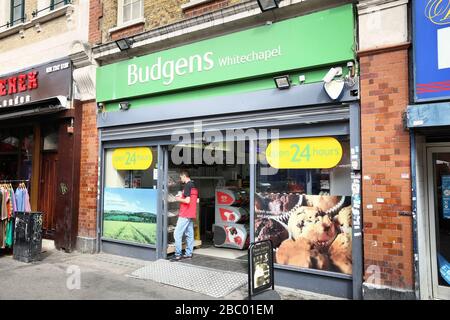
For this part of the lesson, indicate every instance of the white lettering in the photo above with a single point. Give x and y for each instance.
(147, 75)
(208, 60)
(156, 68)
(197, 58)
(132, 74)
(168, 68)
(181, 64)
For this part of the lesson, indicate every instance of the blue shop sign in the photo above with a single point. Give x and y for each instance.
(431, 41)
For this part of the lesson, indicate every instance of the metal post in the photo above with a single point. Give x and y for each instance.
(414, 215)
(249, 259)
(252, 160)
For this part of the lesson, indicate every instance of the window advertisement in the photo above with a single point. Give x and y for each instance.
(431, 49)
(303, 202)
(130, 195)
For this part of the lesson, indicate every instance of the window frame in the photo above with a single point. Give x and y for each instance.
(22, 13)
(120, 13)
(53, 3)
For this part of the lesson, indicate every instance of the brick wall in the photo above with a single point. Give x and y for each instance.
(95, 16)
(386, 161)
(89, 172)
(205, 7)
(132, 30)
(156, 13)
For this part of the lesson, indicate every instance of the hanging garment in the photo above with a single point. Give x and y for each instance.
(9, 233)
(20, 200)
(1, 205)
(8, 203)
(13, 199)
(4, 209)
(27, 201)
(3, 233)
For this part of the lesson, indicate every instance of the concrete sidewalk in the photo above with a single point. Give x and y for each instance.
(103, 276)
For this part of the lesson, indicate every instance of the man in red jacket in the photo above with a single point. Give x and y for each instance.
(186, 217)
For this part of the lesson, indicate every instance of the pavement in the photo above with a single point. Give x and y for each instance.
(76, 276)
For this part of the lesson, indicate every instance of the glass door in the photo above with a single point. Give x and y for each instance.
(438, 159)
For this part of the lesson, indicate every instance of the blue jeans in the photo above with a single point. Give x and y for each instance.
(184, 226)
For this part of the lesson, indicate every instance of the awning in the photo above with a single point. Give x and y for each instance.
(428, 115)
(50, 105)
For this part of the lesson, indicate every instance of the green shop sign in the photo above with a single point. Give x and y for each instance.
(308, 41)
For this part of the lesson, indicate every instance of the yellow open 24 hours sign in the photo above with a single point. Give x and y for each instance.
(140, 158)
(304, 153)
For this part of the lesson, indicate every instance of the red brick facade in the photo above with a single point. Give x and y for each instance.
(205, 7)
(89, 172)
(386, 169)
(127, 32)
(95, 15)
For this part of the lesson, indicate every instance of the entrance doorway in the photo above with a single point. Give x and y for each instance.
(438, 166)
(47, 193)
(221, 230)
(48, 177)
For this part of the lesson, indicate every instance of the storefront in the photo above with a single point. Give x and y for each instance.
(429, 123)
(270, 163)
(38, 143)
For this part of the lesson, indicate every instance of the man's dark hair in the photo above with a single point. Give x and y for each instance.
(184, 172)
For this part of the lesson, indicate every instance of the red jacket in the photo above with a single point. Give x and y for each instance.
(189, 210)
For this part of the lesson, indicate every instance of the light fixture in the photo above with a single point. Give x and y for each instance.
(124, 44)
(266, 5)
(282, 82)
(125, 105)
(100, 107)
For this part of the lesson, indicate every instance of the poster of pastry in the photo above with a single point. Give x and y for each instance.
(307, 231)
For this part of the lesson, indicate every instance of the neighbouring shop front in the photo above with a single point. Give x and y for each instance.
(428, 120)
(38, 144)
(270, 163)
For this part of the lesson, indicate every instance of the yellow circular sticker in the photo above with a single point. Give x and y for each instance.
(304, 153)
(139, 158)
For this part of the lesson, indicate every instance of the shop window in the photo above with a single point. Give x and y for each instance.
(17, 11)
(130, 11)
(306, 213)
(50, 137)
(16, 152)
(130, 195)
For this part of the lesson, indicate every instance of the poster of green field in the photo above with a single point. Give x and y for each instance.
(130, 215)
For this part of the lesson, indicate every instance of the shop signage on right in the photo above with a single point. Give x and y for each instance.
(431, 50)
(304, 153)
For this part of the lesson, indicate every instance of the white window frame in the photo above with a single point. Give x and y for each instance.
(120, 21)
(5, 12)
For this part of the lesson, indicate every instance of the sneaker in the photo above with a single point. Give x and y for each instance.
(176, 258)
(187, 257)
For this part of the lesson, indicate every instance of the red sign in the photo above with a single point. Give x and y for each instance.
(224, 198)
(19, 83)
(36, 84)
(227, 215)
